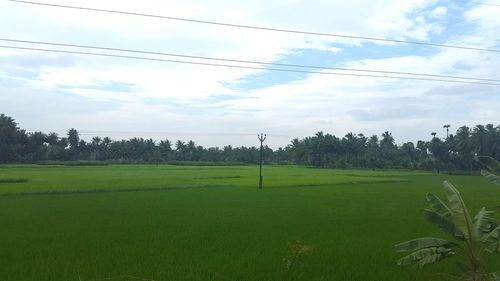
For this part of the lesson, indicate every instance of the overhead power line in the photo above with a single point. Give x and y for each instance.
(251, 67)
(486, 4)
(244, 61)
(151, 134)
(262, 27)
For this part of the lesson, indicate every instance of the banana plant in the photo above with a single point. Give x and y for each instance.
(473, 237)
(493, 169)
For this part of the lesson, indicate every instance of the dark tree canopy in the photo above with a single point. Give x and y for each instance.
(455, 152)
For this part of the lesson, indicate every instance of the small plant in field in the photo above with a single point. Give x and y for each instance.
(296, 250)
(493, 166)
(473, 237)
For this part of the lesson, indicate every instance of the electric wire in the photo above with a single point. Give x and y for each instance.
(149, 134)
(250, 67)
(261, 27)
(486, 4)
(242, 61)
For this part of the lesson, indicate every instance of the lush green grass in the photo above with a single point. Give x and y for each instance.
(47, 179)
(230, 231)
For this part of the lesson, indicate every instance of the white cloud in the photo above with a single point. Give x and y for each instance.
(439, 12)
(189, 98)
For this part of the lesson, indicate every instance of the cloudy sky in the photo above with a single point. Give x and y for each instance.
(216, 106)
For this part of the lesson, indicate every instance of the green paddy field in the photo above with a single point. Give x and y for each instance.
(164, 222)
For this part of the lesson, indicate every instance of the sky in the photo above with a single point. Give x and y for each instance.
(216, 106)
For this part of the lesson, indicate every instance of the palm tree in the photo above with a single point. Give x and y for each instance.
(465, 147)
(106, 141)
(479, 138)
(439, 151)
(180, 146)
(298, 151)
(106, 144)
(447, 127)
(387, 140)
(493, 136)
(473, 236)
(372, 155)
(318, 148)
(190, 148)
(95, 148)
(52, 138)
(387, 148)
(433, 134)
(96, 141)
(165, 148)
(73, 138)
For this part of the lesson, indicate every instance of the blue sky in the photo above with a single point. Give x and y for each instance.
(219, 106)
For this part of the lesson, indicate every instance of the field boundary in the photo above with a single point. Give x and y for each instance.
(336, 184)
(89, 191)
(162, 188)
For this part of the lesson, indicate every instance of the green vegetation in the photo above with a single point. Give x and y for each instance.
(455, 153)
(73, 163)
(493, 169)
(213, 223)
(205, 163)
(13, 180)
(475, 237)
(84, 179)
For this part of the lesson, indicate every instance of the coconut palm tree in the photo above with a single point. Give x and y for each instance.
(447, 127)
(95, 147)
(479, 138)
(52, 139)
(180, 146)
(473, 236)
(465, 147)
(191, 149)
(493, 135)
(165, 147)
(73, 138)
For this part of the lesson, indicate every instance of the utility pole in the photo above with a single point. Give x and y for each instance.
(262, 138)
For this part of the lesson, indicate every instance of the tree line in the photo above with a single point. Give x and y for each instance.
(455, 152)
(19, 146)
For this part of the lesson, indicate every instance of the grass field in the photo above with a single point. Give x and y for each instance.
(211, 223)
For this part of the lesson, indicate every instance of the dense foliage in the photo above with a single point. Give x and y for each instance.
(492, 171)
(456, 152)
(474, 236)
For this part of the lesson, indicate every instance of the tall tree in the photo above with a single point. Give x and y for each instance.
(180, 147)
(387, 148)
(74, 141)
(447, 127)
(439, 153)
(464, 148)
(190, 149)
(165, 149)
(11, 140)
(479, 138)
